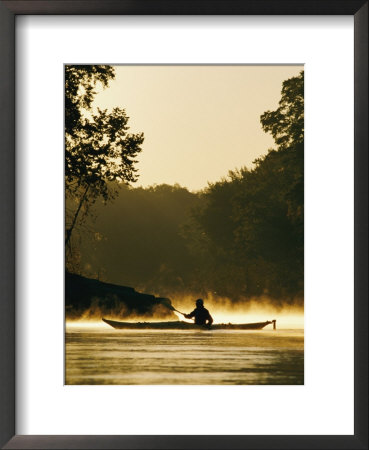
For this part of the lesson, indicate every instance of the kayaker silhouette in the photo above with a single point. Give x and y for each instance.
(201, 314)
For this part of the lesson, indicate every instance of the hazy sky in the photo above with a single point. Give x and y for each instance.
(199, 121)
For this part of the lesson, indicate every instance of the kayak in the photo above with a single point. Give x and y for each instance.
(178, 325)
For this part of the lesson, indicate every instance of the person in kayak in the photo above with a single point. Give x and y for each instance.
(201, 314)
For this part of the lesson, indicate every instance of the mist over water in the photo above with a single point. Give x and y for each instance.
(223, 310)
(99, 354)
(257, 309)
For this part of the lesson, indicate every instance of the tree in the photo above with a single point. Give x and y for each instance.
(137, 239)
(271, 207)
(286, 124)
(98, 147)
(79, 91)
(248, 233)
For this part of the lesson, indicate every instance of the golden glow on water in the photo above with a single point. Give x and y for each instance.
(285, 319)
(223, 310)
(98, 354)
(108, 356)
(70, 324)
(258, 310)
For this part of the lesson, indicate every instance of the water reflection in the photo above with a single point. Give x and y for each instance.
(98, 356)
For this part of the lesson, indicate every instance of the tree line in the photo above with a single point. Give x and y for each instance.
(240, 237)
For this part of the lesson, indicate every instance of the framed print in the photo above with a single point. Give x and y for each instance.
(70, 387)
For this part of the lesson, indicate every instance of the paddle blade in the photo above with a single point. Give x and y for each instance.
(167, 303)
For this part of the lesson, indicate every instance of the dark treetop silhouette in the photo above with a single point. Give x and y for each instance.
(98, 147)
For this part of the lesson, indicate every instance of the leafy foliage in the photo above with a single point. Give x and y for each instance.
(241, 237)
(249, 233)
(98, 147)
(137, 240)
(80, 82)
(286, 124)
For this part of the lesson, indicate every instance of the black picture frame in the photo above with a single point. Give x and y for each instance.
(8, 12)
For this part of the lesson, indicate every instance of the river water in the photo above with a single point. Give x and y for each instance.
(98, 355)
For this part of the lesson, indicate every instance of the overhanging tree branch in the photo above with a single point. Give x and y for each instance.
(98, 147)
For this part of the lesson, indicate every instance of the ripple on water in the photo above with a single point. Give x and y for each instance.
(161, 357)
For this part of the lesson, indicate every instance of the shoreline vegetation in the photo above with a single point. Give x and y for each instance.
(89, 300)
(240, 238)
(86, 298)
